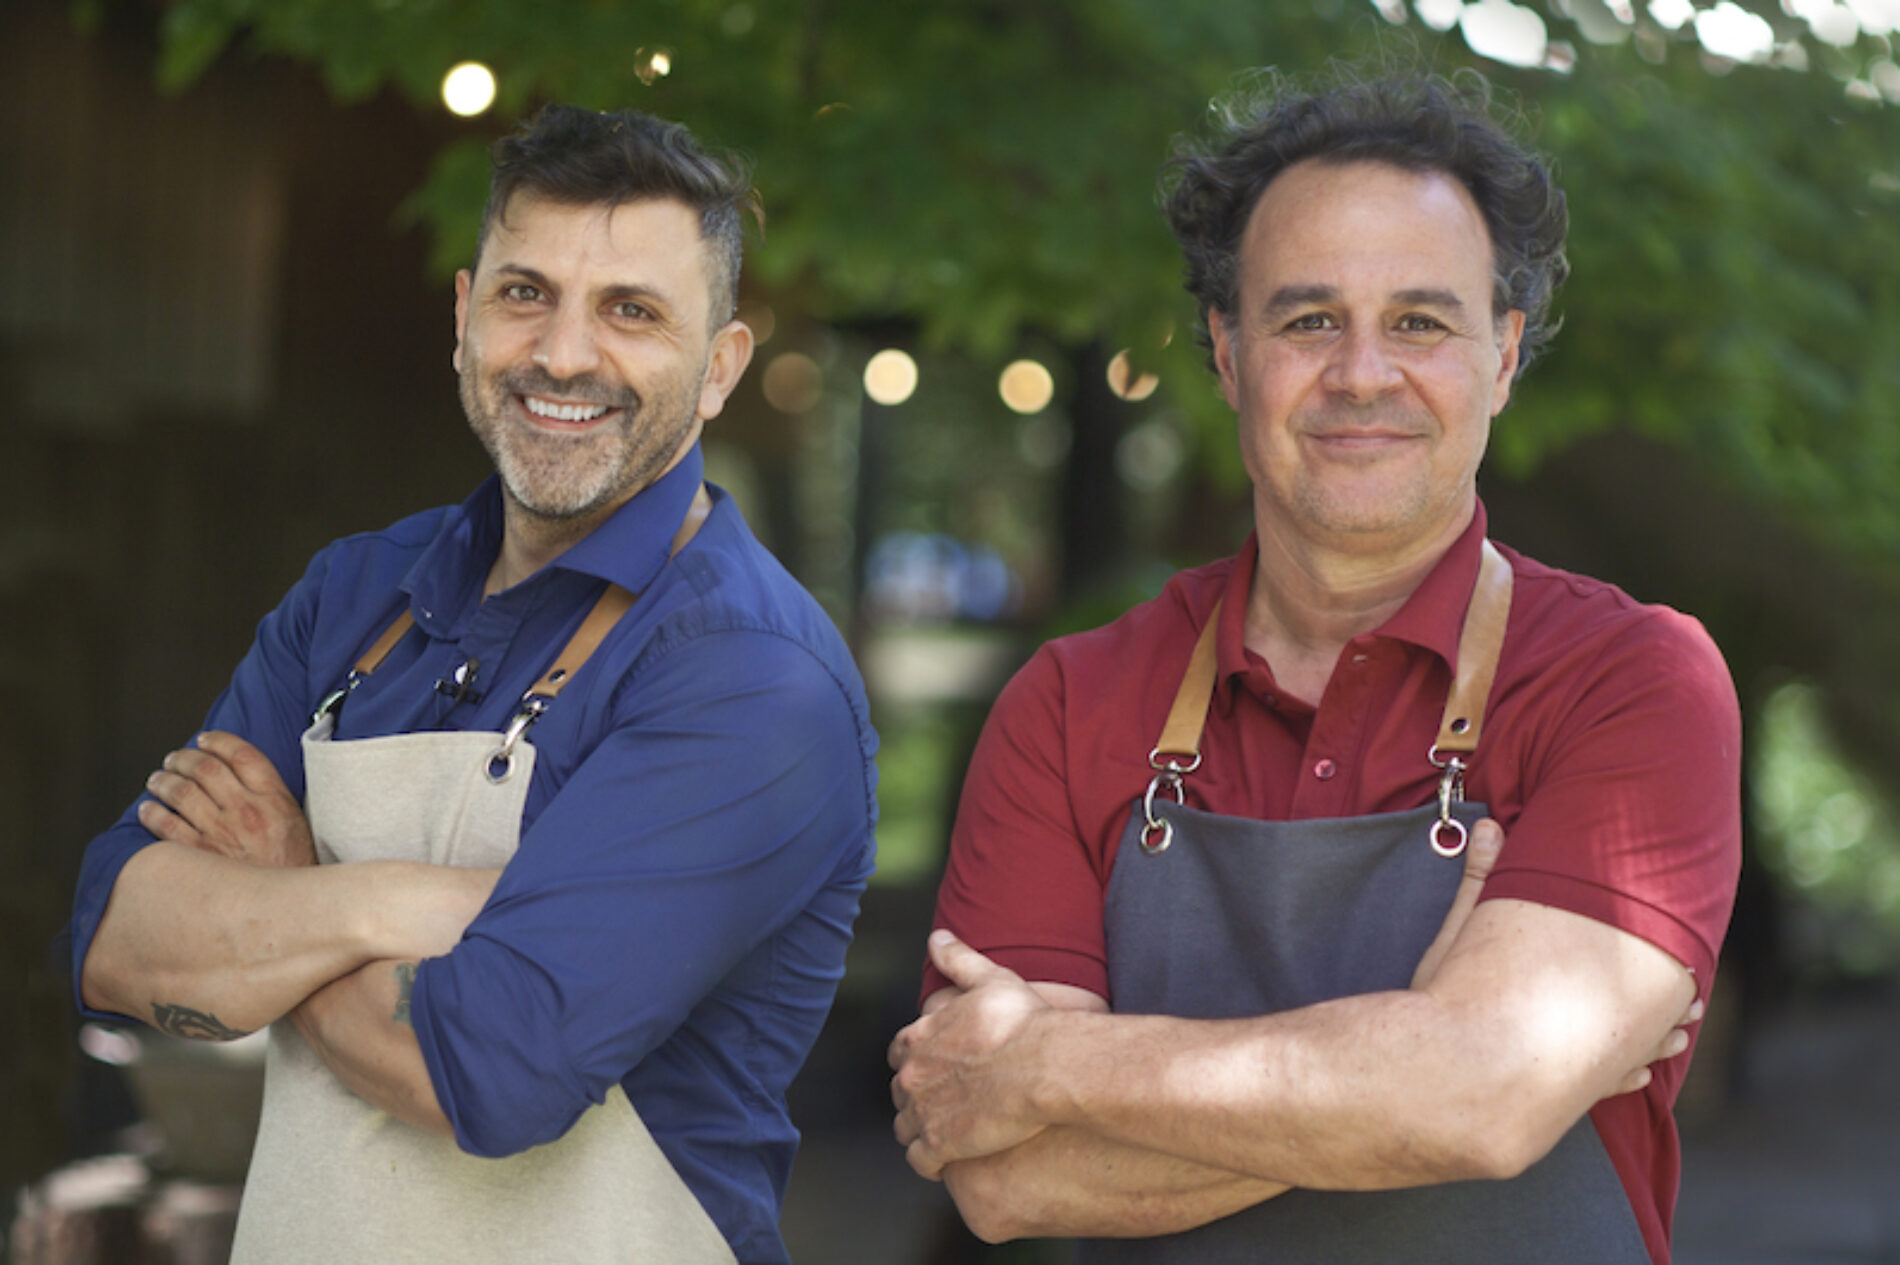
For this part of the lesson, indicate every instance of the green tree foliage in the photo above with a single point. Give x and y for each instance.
(986, 169)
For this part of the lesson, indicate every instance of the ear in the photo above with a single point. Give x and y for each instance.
(1510, 335)
(725, 364)
(1220, 333)
(463, 280)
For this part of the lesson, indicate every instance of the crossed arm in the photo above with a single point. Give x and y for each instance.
(227, 924)
(1046, 1115)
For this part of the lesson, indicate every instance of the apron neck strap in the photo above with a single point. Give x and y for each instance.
(613, 602)
(1478, 647)
(1479, 643)
(611, 605)
(374, 656)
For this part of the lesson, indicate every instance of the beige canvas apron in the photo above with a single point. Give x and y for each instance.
(335, 1181)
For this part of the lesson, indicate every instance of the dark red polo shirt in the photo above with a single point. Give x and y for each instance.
(1611, 756)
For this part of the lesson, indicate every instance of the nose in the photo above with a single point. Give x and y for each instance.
(1361, 368)
(566, 346)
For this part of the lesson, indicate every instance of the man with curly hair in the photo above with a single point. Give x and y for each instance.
(1180, 999)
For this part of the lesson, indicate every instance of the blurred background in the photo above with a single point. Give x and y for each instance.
(977, 418)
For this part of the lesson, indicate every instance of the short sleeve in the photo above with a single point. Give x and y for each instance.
(1632, 807)
(1023, 884)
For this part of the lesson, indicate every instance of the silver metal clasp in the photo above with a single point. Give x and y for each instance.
(1448, 834)
(501, 761)
(1156, 832)
(332, 704)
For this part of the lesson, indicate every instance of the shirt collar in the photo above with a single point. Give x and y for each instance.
(629, 548)
(1432, 618)
(634, 543)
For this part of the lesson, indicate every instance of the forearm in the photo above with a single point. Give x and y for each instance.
(210, 947)
(1069, 1182)
(359, 1026)
(1354, 1094)
(1371, 1092)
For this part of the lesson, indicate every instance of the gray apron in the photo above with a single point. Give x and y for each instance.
(334, 1180)
(1213, 917)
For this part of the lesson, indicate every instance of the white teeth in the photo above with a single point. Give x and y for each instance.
(563, 412)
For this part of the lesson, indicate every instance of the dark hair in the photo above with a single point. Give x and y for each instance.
(1414, 121)
(581, 157)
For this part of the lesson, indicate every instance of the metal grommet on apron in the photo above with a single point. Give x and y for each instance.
(1214, 917)
(334, 1179)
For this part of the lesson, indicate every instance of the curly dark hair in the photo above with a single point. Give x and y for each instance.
(1414, 121)
(582, 157)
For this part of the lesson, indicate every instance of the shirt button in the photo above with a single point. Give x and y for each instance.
(1324, 770)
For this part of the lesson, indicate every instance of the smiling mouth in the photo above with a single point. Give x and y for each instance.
(554, 411)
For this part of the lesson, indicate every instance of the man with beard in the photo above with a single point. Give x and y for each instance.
(534, 827)
(1216, 836)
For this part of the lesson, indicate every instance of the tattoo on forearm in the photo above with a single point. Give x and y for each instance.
(405, 985)
(198, 1025)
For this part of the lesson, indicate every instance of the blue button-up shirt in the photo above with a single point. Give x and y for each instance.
(697, 831)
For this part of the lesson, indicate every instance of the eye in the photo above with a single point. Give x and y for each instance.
(629, 310)
(1309, 323)
(1419, 323)
(520, 292)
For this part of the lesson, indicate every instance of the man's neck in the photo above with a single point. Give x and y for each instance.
(530, 542)
(1308, 602)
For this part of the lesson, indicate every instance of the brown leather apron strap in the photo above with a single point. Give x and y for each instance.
(1458, 731)
(608, 608)
(374, 656)
(1478, 648)
(1180, 742)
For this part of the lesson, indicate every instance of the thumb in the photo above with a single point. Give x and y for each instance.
(962, 965)
(1487, 841)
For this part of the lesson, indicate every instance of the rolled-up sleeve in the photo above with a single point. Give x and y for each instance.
(265, 704)
(730, 792)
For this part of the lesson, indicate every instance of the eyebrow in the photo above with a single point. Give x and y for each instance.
(608, 294)
(1286, 298)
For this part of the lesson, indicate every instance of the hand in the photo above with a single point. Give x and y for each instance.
(1481, 854)
(225, 797)
(1672, 1044)
(956, 1091)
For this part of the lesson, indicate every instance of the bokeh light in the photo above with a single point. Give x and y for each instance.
(653, 63)
(1505, 32)
(1829, 22)
(761, 319)
(890, 376)
(793, 383)
(1126, 383)
(1672, 15)
(1026, 387)
(468, 89)
(1728, 30)
(1440, 15)
(1149, 455)
(1043, 441)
